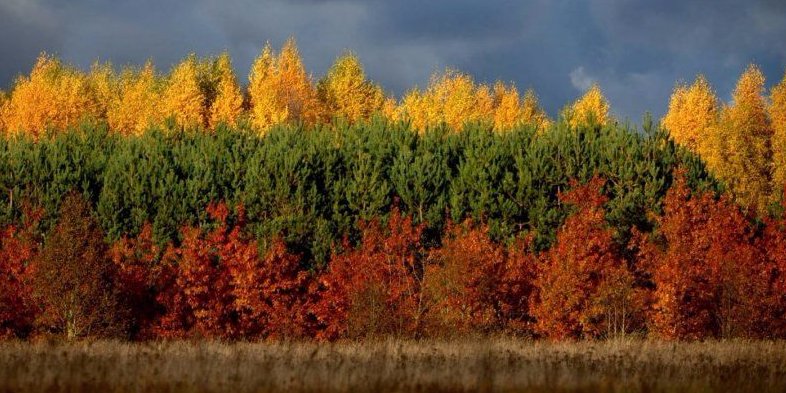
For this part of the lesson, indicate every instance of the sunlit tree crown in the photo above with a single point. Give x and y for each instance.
(137, 104)
(228, 103)
(747, 132)
(592, 106)
(182, 98)
(777, 111)
(52, 96)
(532, 112)
(281, 90)
(345, 92)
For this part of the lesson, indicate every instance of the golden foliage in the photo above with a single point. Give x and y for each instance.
(532, 113)
(3, 102)
(692, 120)
(228, 103)
(591, 107)
(53, 96)
(777, 112)
(103, 83)
(453, 98)
(281, 90)
(182, 98)
(747, 132)
(345, 92)
(135, 107)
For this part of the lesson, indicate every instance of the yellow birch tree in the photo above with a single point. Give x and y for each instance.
(228, 103)
(345, 92)
(778, 117)
(53, 96)
(136, 107)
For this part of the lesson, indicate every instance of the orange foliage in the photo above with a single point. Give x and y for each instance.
(467, 283)
(375, 288)
(707, 273)
(17, 309)
(137, 261)
(584, 288)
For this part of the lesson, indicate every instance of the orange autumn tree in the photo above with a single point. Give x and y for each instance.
(473, 284)
(197, 291)
(215, 284)
(706, 269)
(773, 273)
(583, 286)
(137, 261)
(272, 294)
(463, 281)
(18, 248)
(374, 289)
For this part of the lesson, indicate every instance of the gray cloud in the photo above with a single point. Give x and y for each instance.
(635, 49)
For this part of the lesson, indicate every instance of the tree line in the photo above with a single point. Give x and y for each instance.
(373, 229)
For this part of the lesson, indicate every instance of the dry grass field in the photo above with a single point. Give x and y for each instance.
(503, 364)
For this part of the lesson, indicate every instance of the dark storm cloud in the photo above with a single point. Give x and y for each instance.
(635, 49)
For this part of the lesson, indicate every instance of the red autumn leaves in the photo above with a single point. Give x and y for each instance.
(707, 270)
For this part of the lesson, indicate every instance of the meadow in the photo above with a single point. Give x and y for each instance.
(395, 365)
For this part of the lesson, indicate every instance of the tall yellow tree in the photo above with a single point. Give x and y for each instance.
(592, 106)
(778, 117)
(748, 131)
(345, 92)
(692, 120)
(228, 103)
(508, 109)
(281, 90)
(183, 98)
(53, 96)
(136, 106)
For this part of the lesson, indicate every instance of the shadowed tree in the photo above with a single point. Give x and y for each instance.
(74, 277)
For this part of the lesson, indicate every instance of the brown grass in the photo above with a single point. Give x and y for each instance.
(502, 364)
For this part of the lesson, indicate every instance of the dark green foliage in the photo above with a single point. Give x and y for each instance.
(311, 186)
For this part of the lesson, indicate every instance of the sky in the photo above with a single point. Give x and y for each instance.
(635, 49)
